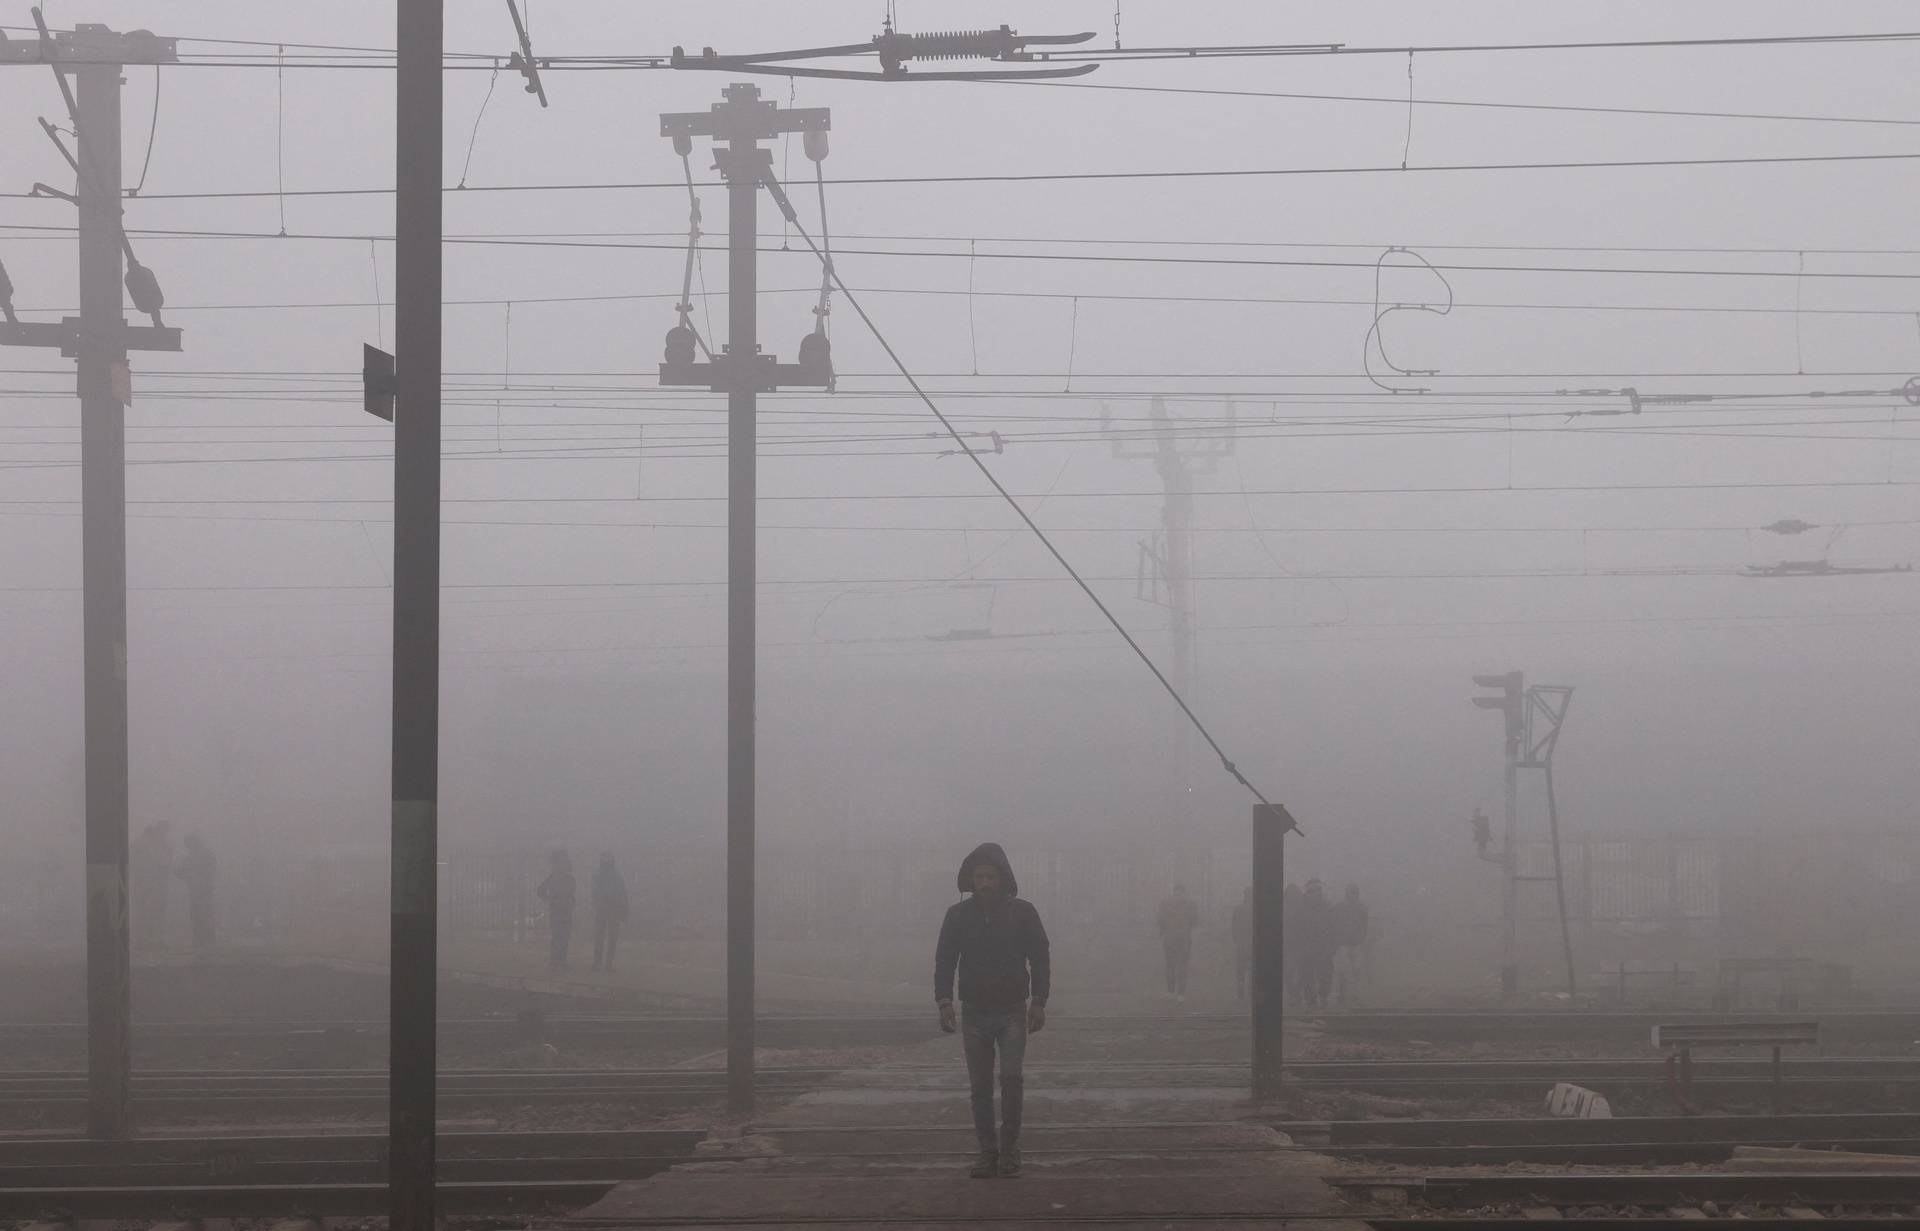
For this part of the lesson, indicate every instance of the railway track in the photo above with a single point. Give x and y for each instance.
(172, 1092)
(1638, 1140)
(545, 1173)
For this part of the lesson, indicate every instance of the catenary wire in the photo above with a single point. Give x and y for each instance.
(987, 472)
(1083, 176)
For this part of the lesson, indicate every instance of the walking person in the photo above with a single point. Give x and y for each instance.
(609, 911)
(1291, 981)
(152, 869)
(197, 869)
(1242, 943)
(557, 891)
(1316, 945)
(1350, 936)
(994, 940)
(1178, 916)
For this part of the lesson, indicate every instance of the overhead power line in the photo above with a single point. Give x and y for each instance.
(1663, 112)
(382, 58)
(1095, 258)
(1081, 580)
(1051, 497)
(1118, 241)
(988, 530)
(1033, 177)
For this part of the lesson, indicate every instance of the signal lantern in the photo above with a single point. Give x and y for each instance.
(816, 357)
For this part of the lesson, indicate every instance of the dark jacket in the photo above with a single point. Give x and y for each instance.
(1243, 927)
(1315, 924)
(1177, 914)
(197, 869)
(557, 891)
(609, 892)
(1350, 922)
(995, 943)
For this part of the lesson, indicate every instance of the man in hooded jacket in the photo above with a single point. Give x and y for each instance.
(995, 940)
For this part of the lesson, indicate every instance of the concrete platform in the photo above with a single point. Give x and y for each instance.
(860, 1153)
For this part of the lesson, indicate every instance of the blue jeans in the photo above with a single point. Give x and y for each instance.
(981, 1030)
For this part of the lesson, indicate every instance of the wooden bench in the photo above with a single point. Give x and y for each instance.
(1680, 1038)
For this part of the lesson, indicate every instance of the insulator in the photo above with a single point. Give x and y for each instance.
(144, 288)
(816, 356)
(814, 141)
(680, 345)
(957, 44)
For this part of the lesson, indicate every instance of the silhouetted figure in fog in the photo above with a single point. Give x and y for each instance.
(1350, 939)
(1242, 943)
(609, 911)
(197, 870)
(557, 891)
(1482, 832)
(995, 940)
(152, 874)
(1291, 977)
(1178, 916)
(1316, 945)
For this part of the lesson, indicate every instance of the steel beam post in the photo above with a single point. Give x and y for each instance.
(1270, 826)
(101, 351)
(743, 189)
(413, 941)
(1510, 877)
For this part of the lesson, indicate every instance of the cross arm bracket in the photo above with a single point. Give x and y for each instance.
(66, 336)
(725, 374)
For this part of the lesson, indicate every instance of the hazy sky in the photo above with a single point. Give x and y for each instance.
(1344, 596)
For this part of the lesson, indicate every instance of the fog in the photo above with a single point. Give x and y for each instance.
(1356, 561)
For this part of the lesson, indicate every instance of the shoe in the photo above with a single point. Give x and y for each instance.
(986, 1166)
(1009, 1162)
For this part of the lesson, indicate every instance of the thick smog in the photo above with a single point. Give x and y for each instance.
(948, 615)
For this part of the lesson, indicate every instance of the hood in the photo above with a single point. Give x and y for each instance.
(991, 853)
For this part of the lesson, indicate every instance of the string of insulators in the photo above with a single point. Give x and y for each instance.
(895, 49)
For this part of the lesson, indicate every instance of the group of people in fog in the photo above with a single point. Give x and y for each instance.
(1325, 943)
(153, 871)
(607, 902)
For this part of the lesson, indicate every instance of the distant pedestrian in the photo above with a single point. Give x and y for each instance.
(995, 940)
(557, 891)
(609, 911)
(1316, 945)
(1242, 943)
(1291, 978)
(1350, 938)
(197, 868)
(1482, 832)
(152, 876)
(1177, 918)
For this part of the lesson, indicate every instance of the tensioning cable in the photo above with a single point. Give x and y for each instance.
(818, 347)
(685, 306)
(786, 207)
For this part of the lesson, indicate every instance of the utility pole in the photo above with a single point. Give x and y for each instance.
(1512, 686)
(98, 341)
(1546, 711)
(742, 120)
(1532, 718)
(413, 941)
(1167, 560)
(1271, 823)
